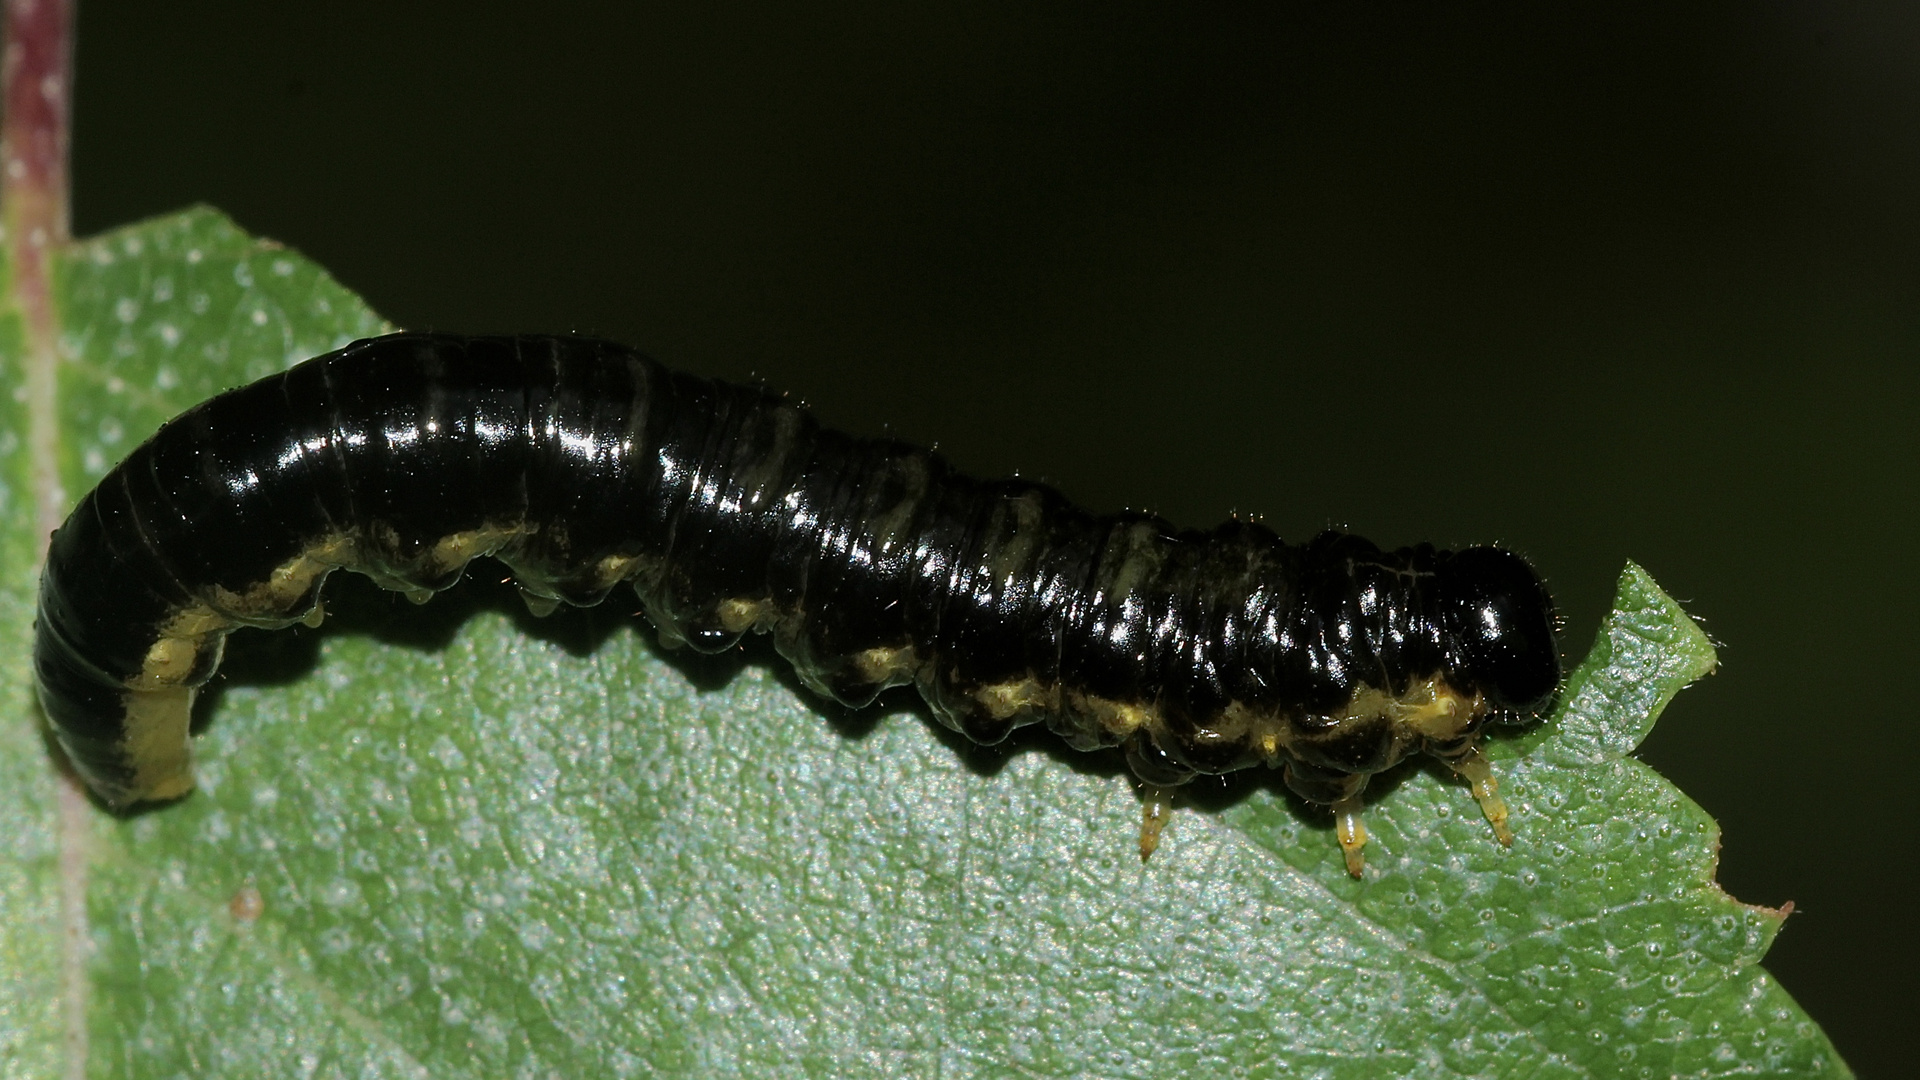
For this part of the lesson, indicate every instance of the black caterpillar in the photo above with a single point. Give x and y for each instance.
(581, 464)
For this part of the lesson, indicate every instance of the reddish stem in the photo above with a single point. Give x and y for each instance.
(38, 79)
(33, 143)
(38, 76)
(33, 149)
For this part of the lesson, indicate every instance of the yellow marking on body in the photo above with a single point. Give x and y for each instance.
(1436, 710)
(1002, 700)
(1366, 703)
(270, 600)
(885, 665)
(739, 616)
(174, 654)
(1118, 719)
(456, 550)
(614, 569)
(1268, 732)
(194, 621)
(157, 745)
(158, 707)
(1430, 711)
(169, 661)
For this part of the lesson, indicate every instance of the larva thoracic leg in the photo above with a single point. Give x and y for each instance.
(583, 465)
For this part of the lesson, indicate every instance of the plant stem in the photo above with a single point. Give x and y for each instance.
(33, 200)
(38, 77)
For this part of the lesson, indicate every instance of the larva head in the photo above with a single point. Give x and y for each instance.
(1499, 624)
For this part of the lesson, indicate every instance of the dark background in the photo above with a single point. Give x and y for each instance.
(1599, 282)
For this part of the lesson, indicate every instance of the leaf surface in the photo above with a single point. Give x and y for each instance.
(457, 841)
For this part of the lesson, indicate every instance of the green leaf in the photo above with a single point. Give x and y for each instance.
(457, 841)
(30, 934)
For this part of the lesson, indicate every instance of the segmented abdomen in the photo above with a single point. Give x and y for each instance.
(582, 465)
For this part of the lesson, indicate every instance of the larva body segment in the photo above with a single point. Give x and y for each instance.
(583, 465)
